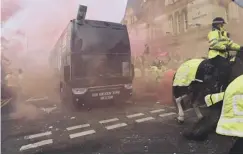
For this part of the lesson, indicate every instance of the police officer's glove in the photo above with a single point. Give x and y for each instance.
(241, 48)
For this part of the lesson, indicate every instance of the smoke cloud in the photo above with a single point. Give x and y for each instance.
(32, 27)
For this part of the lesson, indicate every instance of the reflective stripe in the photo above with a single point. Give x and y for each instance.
(213, 44)
(222, 131)
(231, 120)
(207, 100)
(236, 99)
(213, 98)
(223, 39)
(216, 97)
(230, 43)
(212, 40)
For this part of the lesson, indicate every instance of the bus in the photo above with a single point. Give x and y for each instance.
(92, 61)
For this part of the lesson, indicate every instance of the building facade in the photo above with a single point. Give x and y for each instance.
(137, 30)
(189, 22)
(181, 26)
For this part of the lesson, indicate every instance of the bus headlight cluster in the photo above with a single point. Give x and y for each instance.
(128, 86)
(79, 91)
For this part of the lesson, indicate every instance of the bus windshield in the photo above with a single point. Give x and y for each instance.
(100, 51)
(94, 39)
(105, 65)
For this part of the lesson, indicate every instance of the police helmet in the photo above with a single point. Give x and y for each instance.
(219, 20)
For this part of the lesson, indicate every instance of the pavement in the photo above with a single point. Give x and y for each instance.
(47, 126)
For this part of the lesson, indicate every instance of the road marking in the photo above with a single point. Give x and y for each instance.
(36, 99)
(38, 135)
(157, 111)
(115, 126)
(84, 133)
(78, 127)
(35, 145)
(144, 119)
(135, 115)
(167, 114)
(48, 110)
(108, 120)
(5, 102)
(172, 107)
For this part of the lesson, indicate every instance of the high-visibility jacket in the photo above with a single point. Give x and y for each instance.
(186, 73)
(138, 73)
(156, 72)
(150, 73)
(214, 98)
(218, 41)
(12, 80)
(231, 119)
(153, 74)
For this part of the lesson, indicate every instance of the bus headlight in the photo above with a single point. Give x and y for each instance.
(79, 91)
(128, 86)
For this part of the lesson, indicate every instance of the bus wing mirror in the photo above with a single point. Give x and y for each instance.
(133, 72)
(66, 73)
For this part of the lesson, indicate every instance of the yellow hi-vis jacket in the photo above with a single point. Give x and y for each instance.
(12, 80)
(231, 119)
(214, 98)
(138, 73)
(218, 41)
(152, 73)
(186, 73)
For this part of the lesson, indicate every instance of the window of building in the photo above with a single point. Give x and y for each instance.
(169, 2)
(177, 23)
(184, 20)
(170, 24)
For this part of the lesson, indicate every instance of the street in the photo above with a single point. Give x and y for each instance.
(147, 52)
(145, 127)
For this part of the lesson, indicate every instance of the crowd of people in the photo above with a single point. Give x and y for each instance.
(11, 81)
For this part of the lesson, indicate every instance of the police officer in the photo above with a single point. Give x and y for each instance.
(231, 119)
(219, 46)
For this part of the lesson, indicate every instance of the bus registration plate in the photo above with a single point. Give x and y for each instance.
(106, 95)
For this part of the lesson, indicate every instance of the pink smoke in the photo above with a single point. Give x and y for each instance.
(9, 8)
(37, 24)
